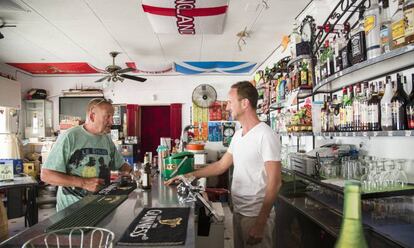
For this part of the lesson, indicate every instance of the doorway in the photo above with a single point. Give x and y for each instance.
(155, 123)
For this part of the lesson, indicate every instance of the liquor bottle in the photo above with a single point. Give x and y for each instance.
(398, 107)
(342, 110)
(350, 110)
(364, 106)
(410, 106)
(398, 27)
(351, 233)
(323, 116)
(330, 115)
(146, 173)
(358, 44)
(381, 89)
(304, 72)
(374, 110)
(345, 53)
(386, 115)
(405, 85)
(409, 21)
(336, 118)
(372, 30)
(330, 60)
(339, 45)
(356, 104)
(385, 28)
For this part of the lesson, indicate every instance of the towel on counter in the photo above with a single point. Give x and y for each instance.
(157, 226)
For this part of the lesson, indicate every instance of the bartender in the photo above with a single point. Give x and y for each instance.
(82, 158)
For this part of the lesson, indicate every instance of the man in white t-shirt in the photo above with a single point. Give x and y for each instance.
(255, 153)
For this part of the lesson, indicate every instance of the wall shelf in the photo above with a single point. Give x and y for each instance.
(407, 133)
(380, 66)
(297, 59)
(297, 134)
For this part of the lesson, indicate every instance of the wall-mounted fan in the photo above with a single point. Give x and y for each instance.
(204, 95)
(116, 73)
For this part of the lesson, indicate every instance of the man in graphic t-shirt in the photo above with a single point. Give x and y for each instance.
(82, 158)
(255, 153)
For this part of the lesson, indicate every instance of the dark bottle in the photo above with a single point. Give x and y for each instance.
(358, 46)
(351, 233)
(146, 174)
(374, 110)
(398, 107)
(336, 119)
(410, 106)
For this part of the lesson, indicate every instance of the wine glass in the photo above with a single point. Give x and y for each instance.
(400, 177)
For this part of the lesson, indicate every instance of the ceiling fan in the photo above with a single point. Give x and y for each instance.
(116, 73)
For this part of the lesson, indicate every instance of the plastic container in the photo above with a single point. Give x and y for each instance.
(178, 164)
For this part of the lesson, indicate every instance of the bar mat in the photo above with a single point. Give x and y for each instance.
(90, 214)
(157, 226)
(116, 189)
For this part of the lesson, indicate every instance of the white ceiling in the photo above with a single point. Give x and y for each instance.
(87, 30)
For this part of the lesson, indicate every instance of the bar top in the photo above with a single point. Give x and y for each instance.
(119, 219)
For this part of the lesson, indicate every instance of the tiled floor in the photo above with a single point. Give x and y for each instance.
(17, 225)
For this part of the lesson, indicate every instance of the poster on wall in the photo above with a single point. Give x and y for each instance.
(200, 122)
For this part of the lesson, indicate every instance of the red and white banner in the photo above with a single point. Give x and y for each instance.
(56, 68)
(186, 16)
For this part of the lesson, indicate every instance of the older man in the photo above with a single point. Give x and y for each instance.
(81, 160)
(255, 153)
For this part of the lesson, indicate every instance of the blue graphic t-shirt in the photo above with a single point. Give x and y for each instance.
(80, 153)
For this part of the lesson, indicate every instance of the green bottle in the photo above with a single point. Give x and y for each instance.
(352, 234)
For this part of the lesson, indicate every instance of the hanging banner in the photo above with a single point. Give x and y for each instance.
(56, 68)
(150, 69)
(186, 16)
(230, 67)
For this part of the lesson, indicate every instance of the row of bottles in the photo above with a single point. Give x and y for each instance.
(376, 33)
(370, 107)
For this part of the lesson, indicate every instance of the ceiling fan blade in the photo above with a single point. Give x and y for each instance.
(125, 70)
(140, 79)
(103, 79)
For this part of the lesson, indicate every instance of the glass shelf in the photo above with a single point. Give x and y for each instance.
(297, 59)
(298, 134)
(407, 133)
(382, 65)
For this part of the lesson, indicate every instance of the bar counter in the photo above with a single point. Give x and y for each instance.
(119, 219)
(313, 219)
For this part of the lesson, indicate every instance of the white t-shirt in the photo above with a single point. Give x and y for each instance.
(250, 152)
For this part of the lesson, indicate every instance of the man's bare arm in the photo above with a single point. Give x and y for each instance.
(213, 169)
(61, 179)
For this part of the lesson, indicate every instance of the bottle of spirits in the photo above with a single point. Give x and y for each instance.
(339, 45)
(358, 44)
(342, 111)
(385, 28)
(398, 107)
(346, 53)
(323, 116)
(356, 104)
(336, 116)
(364, 106)
(386, 115)
(374, 110)
(398, 27)
(409, 21)
(331, 115)
(410, 106)
(352, 233)
(372, 30)
(146, 173)
(304, 72)
(350, 110)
